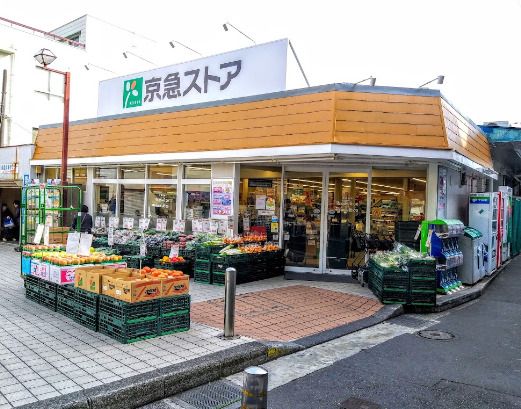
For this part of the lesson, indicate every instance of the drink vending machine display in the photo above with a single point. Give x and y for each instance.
(484, 216)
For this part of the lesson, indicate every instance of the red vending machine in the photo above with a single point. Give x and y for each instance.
(500, 229)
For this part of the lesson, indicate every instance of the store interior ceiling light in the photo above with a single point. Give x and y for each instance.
(420, 180)
(376, 184)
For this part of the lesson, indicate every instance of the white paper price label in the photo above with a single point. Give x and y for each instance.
(114, 222)
(142, 249)
(206, 226)
(99, 221)
(39, 234)
(161, 224)
(85, 244)
(110, 236)
(144, 223)
(73, 243)
(213, 226)
(179, 226)
(128, 223)
(174, 251)
(46, 235)
(197, 226)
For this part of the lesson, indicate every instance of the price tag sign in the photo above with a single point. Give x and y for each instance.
(85, 244)
(46, 235)
(73, 243)
(174, 251)
(161, 224)
(142, 249)
(128, 223)
(197, 226)
(206, 226)
(179, 226)
(274, 227)
(39, 234)
(246, 224)
(213, 226)
(99, 221)
(223, 226)
(110, 236)
(114, 222)
(143, 224)
(286, 236)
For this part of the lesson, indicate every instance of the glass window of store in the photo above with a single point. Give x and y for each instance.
(105, 173)
(196, 201)
(162, 171)
(302, 218)
(79, 177)
(132, 172)
(105, 200)
(259, 199)
(197, 171)
(346, 217)
(397, 203)
(131, 201)
(51, 173)
(161, 201)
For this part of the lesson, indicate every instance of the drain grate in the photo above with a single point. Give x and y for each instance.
(214, 395)
(356, 403)
(436, 335)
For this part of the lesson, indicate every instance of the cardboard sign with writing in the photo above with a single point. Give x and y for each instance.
(174, 251)
(110, 236)
(144, 223)
(161, 224)
(73, 243)
(85, 244)
(113, 221)
(39, 234)
(128, 223)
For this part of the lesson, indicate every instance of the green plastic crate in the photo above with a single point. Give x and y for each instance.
(423, 298)
(47, 294)
(86, 302)
(66, 300)
(202, 276)
(177, 322)
(121, 312)
(87, 320)
(129, 333)
(218, 278)
(202, 264)
(172, 305)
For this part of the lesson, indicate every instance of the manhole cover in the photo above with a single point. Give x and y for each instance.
(436, 335)
(356, 403)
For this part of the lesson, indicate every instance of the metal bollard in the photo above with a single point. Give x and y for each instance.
(255, 388)
(230, 279)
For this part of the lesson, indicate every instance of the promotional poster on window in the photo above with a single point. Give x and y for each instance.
(222, 198)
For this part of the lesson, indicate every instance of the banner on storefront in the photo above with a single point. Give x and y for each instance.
(249, 71)
(222, 198)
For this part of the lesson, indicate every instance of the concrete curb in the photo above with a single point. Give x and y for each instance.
(468, 294)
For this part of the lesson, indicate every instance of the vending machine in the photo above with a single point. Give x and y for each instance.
(473, 249)
(483, 216)
(506, 222)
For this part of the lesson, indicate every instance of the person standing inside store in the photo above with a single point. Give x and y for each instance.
(16, 205)
(85, 220)
(8, 225)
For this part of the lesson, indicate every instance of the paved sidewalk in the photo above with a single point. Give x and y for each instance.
(43, 354)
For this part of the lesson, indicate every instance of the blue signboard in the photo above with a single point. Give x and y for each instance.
(480, 200)
(26, 180)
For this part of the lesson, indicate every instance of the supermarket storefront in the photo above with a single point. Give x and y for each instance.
(314, 168)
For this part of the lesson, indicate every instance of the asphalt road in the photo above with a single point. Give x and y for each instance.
(479, 368)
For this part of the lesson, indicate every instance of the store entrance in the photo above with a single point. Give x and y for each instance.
(303, 213)
(346, 221)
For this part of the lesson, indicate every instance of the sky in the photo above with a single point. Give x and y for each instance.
(474, 43)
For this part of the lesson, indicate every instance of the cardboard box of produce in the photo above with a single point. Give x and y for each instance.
(108, 281)
(175, 285)
(132, 289)
(58, 235)
(89, 278)
(61, 274)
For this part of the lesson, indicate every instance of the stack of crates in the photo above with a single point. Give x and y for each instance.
(32, 288)
(422, 282)
(131, 322)
(86, 308)
(138, 261)
(66, 300)
(48, 294)
(389, 284)
(128, 322)
(203, 263)
(275, 263)
(174, 314)
(167, 265)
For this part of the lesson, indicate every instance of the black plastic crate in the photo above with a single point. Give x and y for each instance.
(32, 295)
(66, 309)
(202, 276)
(423, 284)
(423, 298)
(122, 312)
(392, 297)
(86, 302)
(202, 264)
(129, 333)
(66, 300)
(218, 278)
(87, 320)
(32, 283)
(138, 261)
(205, 252)
(390, 282)
(178, 322)
(172, 305)
(48, 289)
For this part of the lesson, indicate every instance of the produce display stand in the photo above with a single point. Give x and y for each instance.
(403, 276)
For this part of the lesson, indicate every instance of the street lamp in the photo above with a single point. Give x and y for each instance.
(46, 57)
(228, 24)
(371, 79)
(439, 80)
(174, 42)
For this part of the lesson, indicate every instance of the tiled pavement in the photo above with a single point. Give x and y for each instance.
(43, 354)
(288, 313)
